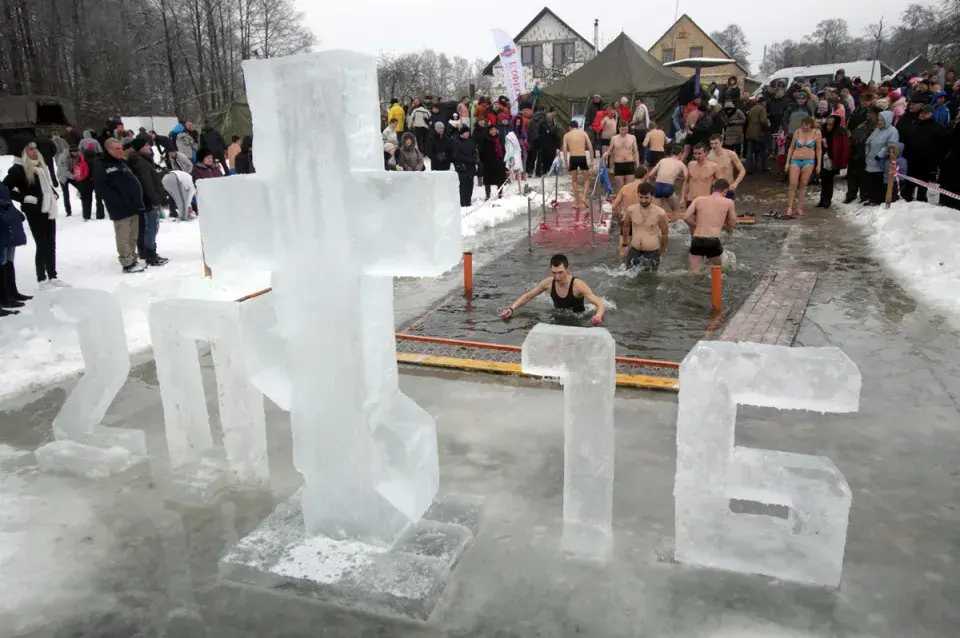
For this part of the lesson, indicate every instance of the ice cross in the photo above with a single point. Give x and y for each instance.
(334, 228)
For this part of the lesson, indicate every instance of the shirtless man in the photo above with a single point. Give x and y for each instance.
(566, 291)
(700, 175)
(608, 127)
(664, 176)
(727, 160)
(626, 156)
(706, 217)
(627, 196)
(576, 146)
(649, 231)
(654, 141)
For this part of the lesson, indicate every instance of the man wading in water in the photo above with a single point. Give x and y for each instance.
(707, 217)
(566, 291)
(645, 231)
(576, 146)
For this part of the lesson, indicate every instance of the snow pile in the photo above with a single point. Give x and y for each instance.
(917, 241)
(482, 215)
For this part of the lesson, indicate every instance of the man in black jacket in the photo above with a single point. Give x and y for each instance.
(121, 193)
(140, 160)
(921, 138)
(212, 140)
(465, 163)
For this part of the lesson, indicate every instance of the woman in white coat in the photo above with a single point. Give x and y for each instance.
(513, 158)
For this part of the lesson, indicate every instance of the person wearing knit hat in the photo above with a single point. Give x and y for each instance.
(138, 143)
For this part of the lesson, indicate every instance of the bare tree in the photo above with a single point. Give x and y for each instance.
(734, 42)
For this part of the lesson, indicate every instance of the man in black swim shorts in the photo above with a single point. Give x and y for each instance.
(626, 156)
(707, 217)
(576, 146)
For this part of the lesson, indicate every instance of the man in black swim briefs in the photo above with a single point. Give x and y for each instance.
(626, 156)
(566, 291)
(707, 217)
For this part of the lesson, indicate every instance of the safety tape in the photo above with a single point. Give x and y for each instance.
(928, 185)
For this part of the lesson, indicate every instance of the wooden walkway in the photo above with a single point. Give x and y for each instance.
(773, 312)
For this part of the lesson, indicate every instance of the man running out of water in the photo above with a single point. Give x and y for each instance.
(727, 160)
(626, 156)
(707, 216)
(650, 232)
(664, 177)
(566, 291)
(576, 147)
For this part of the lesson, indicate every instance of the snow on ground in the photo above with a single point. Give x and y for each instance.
(32, 356)
(917, 242)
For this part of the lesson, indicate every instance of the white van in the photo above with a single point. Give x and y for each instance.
(866, 70)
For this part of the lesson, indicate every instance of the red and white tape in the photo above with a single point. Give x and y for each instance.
(928, 185)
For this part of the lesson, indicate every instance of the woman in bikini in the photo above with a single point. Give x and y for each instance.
(804, 154)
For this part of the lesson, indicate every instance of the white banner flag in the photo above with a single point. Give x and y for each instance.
(513, 76)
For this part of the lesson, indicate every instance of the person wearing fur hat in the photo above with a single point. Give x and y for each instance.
(31, 184)
(140, 161)
(11, 236)
(409, 157)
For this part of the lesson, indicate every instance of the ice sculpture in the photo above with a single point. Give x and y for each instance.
(334, 228)
(584, 360)
(809, 500)
(93, 449)
(175, 327)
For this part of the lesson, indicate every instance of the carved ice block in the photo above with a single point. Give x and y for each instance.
(760, 511)
(584, 360)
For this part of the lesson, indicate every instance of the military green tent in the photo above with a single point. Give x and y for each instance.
(622, 69)
(233, 119)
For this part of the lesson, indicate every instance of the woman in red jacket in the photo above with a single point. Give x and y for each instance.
(836, 146)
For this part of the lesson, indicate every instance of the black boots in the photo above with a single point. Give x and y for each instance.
(10, 297)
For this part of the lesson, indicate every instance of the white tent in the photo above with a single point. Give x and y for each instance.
(160, 124)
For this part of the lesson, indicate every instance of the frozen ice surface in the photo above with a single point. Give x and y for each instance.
(85, 460)
(98, 322)
(714, 476)
(334, 228)
(584, 361)
(176, 326)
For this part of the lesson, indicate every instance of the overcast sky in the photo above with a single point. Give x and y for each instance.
(463, 28)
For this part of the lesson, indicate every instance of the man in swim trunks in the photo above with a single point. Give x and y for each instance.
(648, 240)
(626, 156)
(664, 176)
(655, 141)
(701, 173)
(707, 217)
(566, 291)
(727, 160)
(576, 146)
(608, 127)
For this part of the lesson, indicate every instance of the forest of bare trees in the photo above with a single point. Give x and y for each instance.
(408, 75)
(141, 57)
(922, 29)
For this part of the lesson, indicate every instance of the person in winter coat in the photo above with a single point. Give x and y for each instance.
(949, 177)
(390, 135)
(856, 169)
(594, 106)
(184, 141)
(160, 142)
(548, 142)
(877, 153)
(212, 140)
(465, 163)
(31, 183)
(71, 136)
(835, 140)
(513, 156)
(758, 129)
(179, 186)
(439, 148)
(640, 122)
(123, 196)
(418, 121)
(804, 105)
(492, 152)
(63, 172)
(205, 168)
(409, 157)
(941, 114)
(89, 142)
(623, 110)
(177, 161)
(11, 236)
(923, 139)
(731, 92)
(389, 157)
(244, 161)
(734, 121)
(397, 113)
(80, 176)
(140, 161)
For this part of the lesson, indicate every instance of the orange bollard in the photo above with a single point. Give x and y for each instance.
(716, 287)
(468, 274)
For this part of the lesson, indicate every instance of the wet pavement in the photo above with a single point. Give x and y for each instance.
(113, 558)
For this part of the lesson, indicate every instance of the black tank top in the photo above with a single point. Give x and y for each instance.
(570, 302)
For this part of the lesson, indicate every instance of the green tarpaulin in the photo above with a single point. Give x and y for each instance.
(622, 69)
(233, 119)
